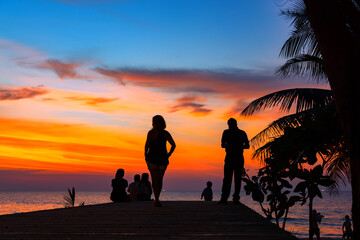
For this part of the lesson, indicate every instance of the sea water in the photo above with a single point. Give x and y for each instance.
(334, 207)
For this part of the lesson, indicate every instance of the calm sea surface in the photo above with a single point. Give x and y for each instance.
(333, 207)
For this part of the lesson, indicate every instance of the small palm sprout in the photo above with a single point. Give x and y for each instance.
(70, 199)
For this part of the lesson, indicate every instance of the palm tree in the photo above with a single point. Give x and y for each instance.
(305, 60)
(299, 138)
(314, 108)
(324, 45)
(336, 25)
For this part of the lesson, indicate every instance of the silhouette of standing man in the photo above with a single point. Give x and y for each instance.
(234, 141)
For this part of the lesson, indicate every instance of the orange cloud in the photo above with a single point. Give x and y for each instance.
(21, 93)
(134, 102)
(93, 100)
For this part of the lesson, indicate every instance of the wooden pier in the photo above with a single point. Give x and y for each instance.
(141, 220)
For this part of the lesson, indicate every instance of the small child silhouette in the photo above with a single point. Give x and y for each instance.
(346, 228)
(207, 193)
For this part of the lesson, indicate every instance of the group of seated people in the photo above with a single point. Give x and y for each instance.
(139, 190)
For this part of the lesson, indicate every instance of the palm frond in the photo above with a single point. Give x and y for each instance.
(302, 39)
(300, 42)
(262, 153)
(338, 168)
(70, 198)
(297, 7)
(304, 65)
(304, 98)
(276, 128)
(302, 46)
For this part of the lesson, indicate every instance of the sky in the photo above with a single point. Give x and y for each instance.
(80, 81)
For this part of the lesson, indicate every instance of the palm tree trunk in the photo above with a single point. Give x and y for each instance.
(340, 49)
(277, 217)
(285, 218)
(310, 219)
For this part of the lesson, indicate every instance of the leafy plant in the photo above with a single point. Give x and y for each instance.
(271, 186)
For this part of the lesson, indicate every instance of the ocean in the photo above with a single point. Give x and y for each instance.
(334, 207)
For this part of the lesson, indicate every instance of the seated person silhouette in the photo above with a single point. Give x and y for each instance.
(133, 187)
(144, 190)
(119, 185)
(207, 193)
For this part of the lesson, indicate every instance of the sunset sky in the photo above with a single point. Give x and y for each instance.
(81, 79)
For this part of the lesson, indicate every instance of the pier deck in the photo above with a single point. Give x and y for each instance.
(141, 220)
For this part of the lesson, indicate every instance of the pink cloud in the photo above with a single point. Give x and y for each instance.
(21, 93)
(228, 82)
(63, 70)
(242, 86)
(236, 109)
(18, 51)
(188, 102)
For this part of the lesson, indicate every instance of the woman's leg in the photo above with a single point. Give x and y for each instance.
(157, 175)
(154, 172)
(161, 176)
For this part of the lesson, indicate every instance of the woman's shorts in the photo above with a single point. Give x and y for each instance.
(154, 166)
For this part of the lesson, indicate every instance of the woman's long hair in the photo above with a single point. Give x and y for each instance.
(159, 122)
(144, 180)
(120, 173)
(144, 177)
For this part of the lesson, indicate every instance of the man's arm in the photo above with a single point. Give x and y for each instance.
(246, 142)
(223, 140)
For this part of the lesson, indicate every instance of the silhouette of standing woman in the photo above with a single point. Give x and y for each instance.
(156, 154)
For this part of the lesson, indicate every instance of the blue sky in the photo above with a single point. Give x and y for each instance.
(200, 34)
